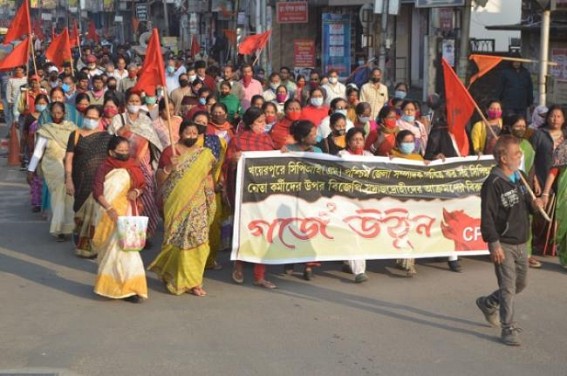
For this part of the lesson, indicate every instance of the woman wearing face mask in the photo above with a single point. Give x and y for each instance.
(315, 111)
(218, 147)
(280, 132)
(387, 131)
(110, 109)
(408, 121)
(336, 140)
(338, 106)
(231, 101)
(482, 139)
(187, 187)
(117, 188)
(31, 126)
(219, 124)
(161, 126)
(271, 111)
(355, 140)
(400, 90)
(301, 82)
(517, 125)
(50, 149)
(366, 123)
(280, 99)
(145, 146)
(151, 106)
(406, 149)
(353, 97)
(86, 150)
(81, 104)
(252, 138)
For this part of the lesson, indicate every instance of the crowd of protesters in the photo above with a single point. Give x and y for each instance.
(94, 149)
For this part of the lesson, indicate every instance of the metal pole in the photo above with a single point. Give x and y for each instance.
(464, 46)
(544, 43)
(166, 16)
(383, 33)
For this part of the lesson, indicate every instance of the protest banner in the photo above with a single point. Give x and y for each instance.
(299, 207)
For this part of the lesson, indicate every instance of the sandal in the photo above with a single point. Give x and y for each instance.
(215, 266)
(533, 263)
(265, 284)
(198, 291)
(237, 277)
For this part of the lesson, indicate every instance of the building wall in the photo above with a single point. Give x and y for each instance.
(496, 12)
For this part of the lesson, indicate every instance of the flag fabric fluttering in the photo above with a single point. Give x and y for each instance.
(253, 43)
(59, 51)
(92, 34)
(74, 36)
(38, 30)
(18, 57)
(484, 63)
(195, 46)
(460, 107)
(152, 73)
(21, 24)
(230, 35)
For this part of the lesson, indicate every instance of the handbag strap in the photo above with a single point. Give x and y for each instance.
(135, 211)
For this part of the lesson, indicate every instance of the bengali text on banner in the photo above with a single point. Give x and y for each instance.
(298, 207)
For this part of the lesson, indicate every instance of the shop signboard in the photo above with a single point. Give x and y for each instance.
(292, 12)
(141, 12)
(304, 53)
(336, 39)
(439, 3)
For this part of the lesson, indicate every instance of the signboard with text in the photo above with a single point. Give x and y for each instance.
(336, 52)
(292, 12)
(304, 53)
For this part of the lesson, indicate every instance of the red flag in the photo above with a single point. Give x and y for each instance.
(195, 46)
(135, 24)
(254, 43)
(59, 51)
(152, 73)
(460, 107)
(18, 57)
(484, 64)
(38, 30)
(230, 35)
(92, 35)
(74, 35)
(21, 24)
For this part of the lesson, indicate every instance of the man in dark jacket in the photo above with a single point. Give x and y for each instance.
(505, 225)
(516, 89)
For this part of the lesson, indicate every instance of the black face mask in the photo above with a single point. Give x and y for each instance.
(184, 83)
(201, 129)
(111, 87)
(340, 132)
(122, 157)
(189, 142)
(375, 80)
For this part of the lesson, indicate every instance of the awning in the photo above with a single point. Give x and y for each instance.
(536, 26)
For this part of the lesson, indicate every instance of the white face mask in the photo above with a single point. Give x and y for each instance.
(90, 124)
(317, 102)
(192, 77)
(133, 109)
(333, 80)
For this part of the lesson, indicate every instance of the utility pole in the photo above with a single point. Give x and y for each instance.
(464, 46)
(383, 37)
(544, 52)
(166, 18)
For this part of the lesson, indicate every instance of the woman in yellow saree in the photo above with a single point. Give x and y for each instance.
(50, 149)
(118, 183)
(189, 208)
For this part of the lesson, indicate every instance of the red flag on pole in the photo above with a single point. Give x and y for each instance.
(38, 30)
(195, 46)
(92, 35)
(18, 57)
(152, 73)
(59, 51)
(484, 63)
(254, 43)
(460, 107)
(74, 35)
(21, 24)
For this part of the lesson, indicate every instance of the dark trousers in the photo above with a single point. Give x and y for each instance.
(512, 279)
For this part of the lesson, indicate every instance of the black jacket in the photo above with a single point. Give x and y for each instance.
(505, 208)
(516, 89)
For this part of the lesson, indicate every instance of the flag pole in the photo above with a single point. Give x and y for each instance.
(484, 120)
(33, 53)
(169, 128)
(533, 196)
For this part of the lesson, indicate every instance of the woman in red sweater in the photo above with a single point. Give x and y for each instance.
(280, 132)
(315, 111)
